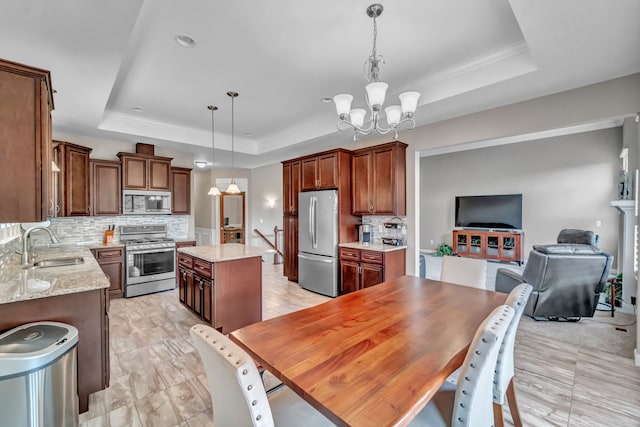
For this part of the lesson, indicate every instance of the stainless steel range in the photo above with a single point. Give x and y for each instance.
(151, 259)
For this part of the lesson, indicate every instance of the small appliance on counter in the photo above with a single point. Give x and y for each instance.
(365, 234)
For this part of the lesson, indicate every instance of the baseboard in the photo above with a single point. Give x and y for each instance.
(636, 356)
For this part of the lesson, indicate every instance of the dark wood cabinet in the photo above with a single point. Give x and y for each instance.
(179, 245)
(180, 191)
(379, 180)
(111, 261)
(321, 171)
(494, 245)
(26, 101)
(87, 311)
(361, 268)
(291, 186)
(74, 188)
(226, 294)
(290, 261)
(145, 172)
(106, 194)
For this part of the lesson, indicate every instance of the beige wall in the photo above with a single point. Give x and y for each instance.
(566, 182)
(265, 185)
(611, 99)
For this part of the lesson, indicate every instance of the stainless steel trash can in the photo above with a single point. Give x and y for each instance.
(38, 375)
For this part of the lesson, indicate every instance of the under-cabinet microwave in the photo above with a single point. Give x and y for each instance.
(141, 202)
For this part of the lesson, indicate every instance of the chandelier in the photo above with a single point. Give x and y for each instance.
(396, 115)
(213, 191)
(233, 187)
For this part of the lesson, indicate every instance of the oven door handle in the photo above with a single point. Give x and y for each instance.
(151, 250)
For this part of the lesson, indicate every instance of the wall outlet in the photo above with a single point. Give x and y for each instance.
(598, 223)
(431, 242)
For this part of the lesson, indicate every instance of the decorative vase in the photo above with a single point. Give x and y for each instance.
(624, 185)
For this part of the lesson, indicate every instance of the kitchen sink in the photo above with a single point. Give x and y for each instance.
(58, 262)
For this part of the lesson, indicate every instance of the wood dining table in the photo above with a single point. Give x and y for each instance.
(374, 357)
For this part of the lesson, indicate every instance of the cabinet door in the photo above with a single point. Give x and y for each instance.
(197, 294)
(24, 143)
(207, 298)
(291, 248)
(383, 182)
(328, 171)
(349, 277)
(361, 184)
(371, 274)
(76, 182)
(134, 173)
(309, 174)
(182, 285)
(105, 187)
(159, 175)
(115, 271)
(460, 243)
(190, 290)
(290, 187)
(180, 191)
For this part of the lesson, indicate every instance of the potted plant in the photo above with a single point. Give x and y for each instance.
(443, 249)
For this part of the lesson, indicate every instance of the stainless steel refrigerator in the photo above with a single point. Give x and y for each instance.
(318, 241)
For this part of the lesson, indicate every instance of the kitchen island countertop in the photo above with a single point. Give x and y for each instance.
(224, 252)
(20, 284)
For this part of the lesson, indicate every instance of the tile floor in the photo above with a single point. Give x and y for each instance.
(157, 378)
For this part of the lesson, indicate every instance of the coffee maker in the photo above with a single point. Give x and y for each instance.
(365, 234)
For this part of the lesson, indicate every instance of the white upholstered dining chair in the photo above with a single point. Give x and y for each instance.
(464, 271)
(503, 388)
(237, 393)
(469, 402)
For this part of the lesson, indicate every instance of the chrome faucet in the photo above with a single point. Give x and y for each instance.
(26, 258)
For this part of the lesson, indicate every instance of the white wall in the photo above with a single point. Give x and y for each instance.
(566, 182)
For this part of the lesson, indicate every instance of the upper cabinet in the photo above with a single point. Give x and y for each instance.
(145, 172)
(320, 172)
(180, 191)
(379, 180)
(106, 195)
(290, 186)
(73, 183)
(26, 101)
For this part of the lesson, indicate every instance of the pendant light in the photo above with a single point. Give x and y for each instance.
(213, 191)
(233, 187)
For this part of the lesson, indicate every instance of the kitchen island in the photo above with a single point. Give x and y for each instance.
(222, 284)
(73, 294)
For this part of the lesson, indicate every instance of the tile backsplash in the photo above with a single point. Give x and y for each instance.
(379, 231)
(90, 229)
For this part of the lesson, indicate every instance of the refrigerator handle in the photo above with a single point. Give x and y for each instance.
(314, 239)
(311, 220)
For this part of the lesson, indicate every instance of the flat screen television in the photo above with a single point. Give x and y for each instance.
(503, 211)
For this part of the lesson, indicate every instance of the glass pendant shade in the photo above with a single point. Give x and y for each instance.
(213, 191)
(357, 116)
(233, 187)
(343, 103)
(394, 113)
(409, 101)
(376, 92)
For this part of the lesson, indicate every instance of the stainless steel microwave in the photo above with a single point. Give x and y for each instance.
(141, 202)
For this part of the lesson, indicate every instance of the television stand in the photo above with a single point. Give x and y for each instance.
(492, 245)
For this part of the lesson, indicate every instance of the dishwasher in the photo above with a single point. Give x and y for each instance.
(38, 375)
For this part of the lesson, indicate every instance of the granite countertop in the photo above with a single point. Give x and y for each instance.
(224, 252)
(19, 284)
(378, 247)
(113, 244)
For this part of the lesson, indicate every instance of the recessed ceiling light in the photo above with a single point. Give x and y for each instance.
(326, 100)
(185, 40)
(248, 134)
(137, 109)
(200, 164)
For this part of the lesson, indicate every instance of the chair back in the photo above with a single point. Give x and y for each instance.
(236, 390)
(464, 271)
(504, 366)
(473, 399)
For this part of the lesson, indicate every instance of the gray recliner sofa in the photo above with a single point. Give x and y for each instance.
(567, 279)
